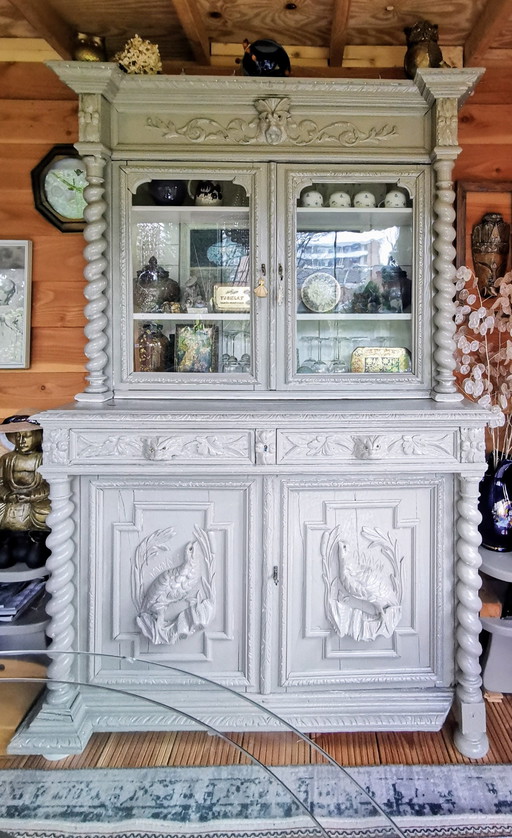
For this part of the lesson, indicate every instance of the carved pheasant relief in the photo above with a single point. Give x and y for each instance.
(363, 592)
(182, 583)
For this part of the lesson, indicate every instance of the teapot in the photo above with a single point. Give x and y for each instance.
(312, 198)
(205, 193)
(395, 198)
(339, 199)
(364, 199)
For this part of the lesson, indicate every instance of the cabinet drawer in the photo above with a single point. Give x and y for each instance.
(311, 447)
(180, 447)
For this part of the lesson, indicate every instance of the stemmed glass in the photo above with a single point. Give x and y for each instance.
(337, 365)
(245, 358)
(307, 365)
(230, 364)
(319, 365)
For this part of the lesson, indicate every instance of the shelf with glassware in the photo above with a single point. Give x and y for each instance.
(191, 296)
(353, 279)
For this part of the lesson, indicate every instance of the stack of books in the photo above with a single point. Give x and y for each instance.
(17, 597)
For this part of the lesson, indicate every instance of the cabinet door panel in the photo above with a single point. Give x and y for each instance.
(191, 252)
(352, 307)
(172, 575)
(364, 588)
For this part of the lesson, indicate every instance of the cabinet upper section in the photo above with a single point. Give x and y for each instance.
(268, 235)
(146, 114)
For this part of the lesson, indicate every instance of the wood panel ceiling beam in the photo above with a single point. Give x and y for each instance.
(489, 25)
(197, 36)
(339, 25)
(47, 25)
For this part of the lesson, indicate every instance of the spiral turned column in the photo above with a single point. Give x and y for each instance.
(95, 331)
(445, 388)
(470, 737)
(60, 586)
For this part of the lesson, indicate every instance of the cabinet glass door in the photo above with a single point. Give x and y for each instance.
(189, 285)
(354, 292)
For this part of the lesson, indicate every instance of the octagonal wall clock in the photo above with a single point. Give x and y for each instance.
(58, 183)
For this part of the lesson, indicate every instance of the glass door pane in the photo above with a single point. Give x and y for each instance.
(190, 266)
(354, 277)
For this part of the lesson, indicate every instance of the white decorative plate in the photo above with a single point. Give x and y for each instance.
(320, 292)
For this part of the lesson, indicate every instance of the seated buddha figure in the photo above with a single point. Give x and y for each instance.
(24, 497)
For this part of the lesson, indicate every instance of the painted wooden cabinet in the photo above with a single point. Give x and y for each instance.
(270, 479)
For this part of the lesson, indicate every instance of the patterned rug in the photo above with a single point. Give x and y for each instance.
(461, 801)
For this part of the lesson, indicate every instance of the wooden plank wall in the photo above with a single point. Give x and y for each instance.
(38, 111)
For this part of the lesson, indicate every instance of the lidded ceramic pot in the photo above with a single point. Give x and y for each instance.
(153, 287)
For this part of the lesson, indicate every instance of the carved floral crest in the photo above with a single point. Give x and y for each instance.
(363, 594)
(274, 124)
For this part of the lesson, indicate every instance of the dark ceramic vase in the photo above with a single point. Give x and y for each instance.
(168, 192)
(495, 506)
(265, 57)
(153, 287)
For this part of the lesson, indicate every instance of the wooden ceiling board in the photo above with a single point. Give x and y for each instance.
(155, 20)
(486, 30)
(13, 24)
(184, 29)
(383, 23)
(308, 24)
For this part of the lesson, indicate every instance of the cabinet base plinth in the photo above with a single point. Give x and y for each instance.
(53, 732)
(50, 732)
(470, 737)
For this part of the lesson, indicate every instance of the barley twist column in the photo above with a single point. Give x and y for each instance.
(470, 737)
(94, 272)
(445, 388)
(60, 586)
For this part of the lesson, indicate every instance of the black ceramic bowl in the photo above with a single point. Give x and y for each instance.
(168, 191)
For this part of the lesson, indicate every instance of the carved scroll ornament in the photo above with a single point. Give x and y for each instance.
(183, 583)
(274, 124)
(363, 594)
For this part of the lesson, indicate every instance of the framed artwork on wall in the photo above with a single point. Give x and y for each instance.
(474, 200)
(15, 294)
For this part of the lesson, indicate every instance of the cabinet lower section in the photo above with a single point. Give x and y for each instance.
(322, 595)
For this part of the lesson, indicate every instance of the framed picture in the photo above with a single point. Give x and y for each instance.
(380, 359)
(15, 288)
(196, 349)
(231, 298)
(474, 200)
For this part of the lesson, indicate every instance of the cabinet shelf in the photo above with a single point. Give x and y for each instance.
(21, 573)
(192, 317)
(496, 564)
(352, 218)
(225, 216)
(352, 316)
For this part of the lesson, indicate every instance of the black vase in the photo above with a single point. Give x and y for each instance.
(265, 57)
(495, 505)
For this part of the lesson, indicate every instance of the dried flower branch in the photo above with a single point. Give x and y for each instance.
(484, 354)
(139, 56)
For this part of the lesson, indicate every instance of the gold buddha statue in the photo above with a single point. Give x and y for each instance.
(24, 496)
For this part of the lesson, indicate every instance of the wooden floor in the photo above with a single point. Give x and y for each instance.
(136, 750)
